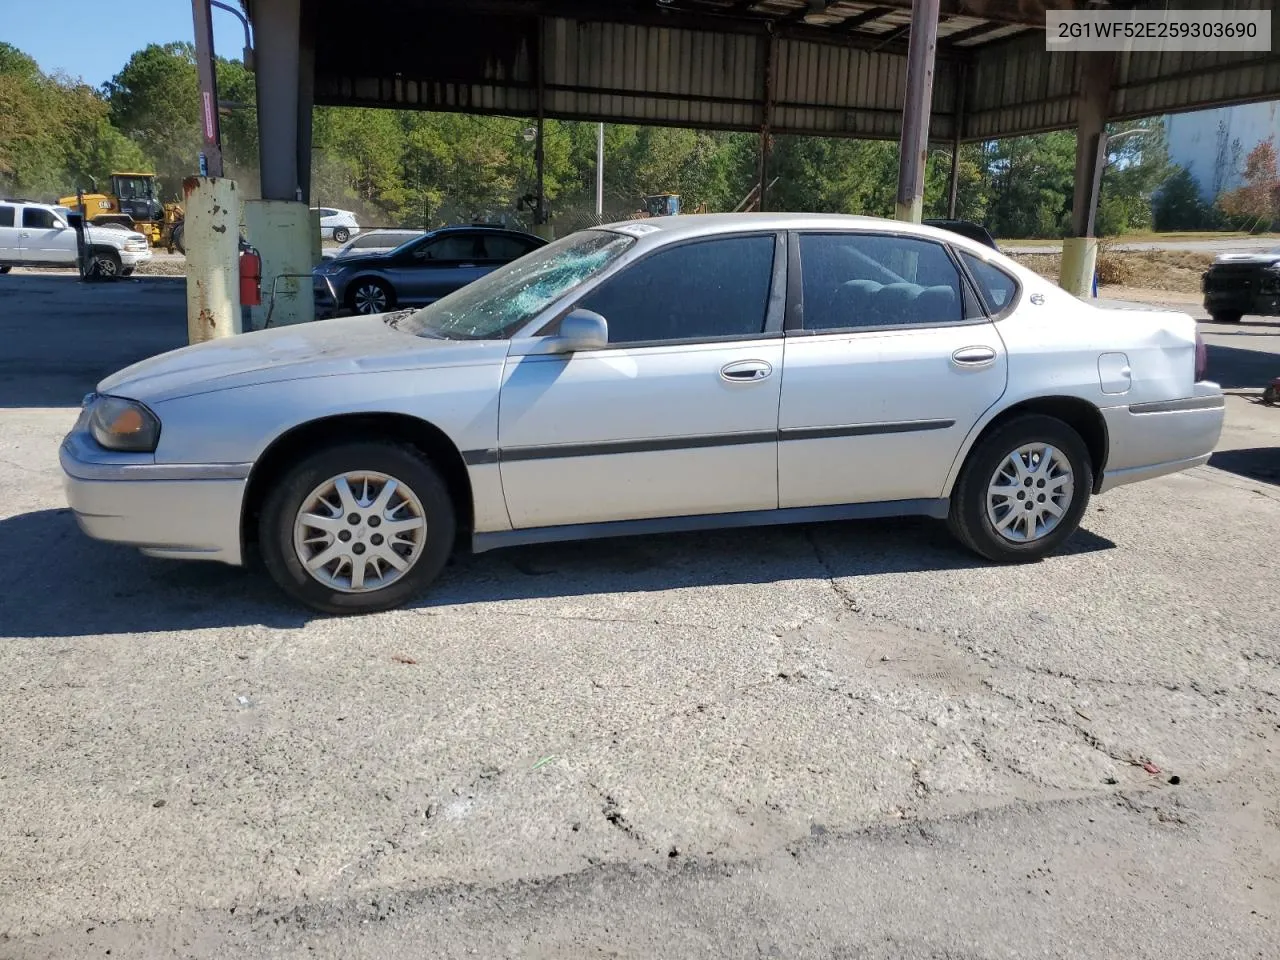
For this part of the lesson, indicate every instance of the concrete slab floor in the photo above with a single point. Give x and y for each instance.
(849, 740)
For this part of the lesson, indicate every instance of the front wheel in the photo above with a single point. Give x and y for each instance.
(341, 234)
(106, 264)
(178, 237)
(1271, 395)
(369, 296)
(1023, 490)
(357, 528)
(5, 269)
(1228, 316)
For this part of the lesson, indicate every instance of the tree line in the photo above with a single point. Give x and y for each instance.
(410, 168)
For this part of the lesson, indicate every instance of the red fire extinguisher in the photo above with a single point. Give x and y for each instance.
(250, 277)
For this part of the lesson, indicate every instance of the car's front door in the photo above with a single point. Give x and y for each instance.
(677, 416)
(893, 364)
(438, 266)
(43, 239)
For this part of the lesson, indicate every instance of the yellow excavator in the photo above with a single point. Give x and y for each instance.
(133, 202)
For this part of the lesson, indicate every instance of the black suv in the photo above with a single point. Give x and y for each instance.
(1240, 283)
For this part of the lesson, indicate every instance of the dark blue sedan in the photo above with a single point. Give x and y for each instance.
(420, 271)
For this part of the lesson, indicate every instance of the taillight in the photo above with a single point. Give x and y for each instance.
(1202, 357)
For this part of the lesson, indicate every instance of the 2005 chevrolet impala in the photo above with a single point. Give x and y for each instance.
(671, 374)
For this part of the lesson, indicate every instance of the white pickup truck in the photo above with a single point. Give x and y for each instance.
(39, 235)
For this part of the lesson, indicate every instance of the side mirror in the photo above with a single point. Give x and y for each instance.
(580, 330)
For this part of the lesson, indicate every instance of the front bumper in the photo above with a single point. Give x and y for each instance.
(133, 258)
(1150, 440)
(184, 510)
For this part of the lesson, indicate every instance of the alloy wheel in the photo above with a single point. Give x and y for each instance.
(370, 298)
(1030, 492)
(359, 531)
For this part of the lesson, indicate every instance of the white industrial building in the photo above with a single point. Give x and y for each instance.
(1213, 144)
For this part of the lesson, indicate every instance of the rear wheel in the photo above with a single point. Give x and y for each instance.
(1023, 490)
(1271, 395)
(341, 234)
(177, 238)
(4, 270)
(1229, 316)
(369, 295)
(357, 528)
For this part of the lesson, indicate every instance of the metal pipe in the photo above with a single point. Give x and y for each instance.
(600, 171)
(914, 142)
(248, 43)
(766, 118)
(210, 125)
(957, 121)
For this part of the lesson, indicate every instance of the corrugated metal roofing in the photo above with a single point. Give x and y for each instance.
(838, 71)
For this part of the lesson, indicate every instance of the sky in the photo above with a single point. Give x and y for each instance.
(93, 40)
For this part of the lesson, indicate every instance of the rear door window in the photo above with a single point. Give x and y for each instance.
(505, 248)
(6, 216)
(877, 280)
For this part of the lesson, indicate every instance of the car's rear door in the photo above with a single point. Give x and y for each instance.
(891, 362)
(677, 416)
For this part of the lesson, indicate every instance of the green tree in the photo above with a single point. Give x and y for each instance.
(1177, 204)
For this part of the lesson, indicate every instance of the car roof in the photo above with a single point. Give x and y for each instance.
(480, 228)
(710, 224)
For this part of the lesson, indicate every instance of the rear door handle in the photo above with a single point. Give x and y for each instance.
(979, 356)
(745, 371)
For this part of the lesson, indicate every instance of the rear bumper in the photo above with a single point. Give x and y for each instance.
(187, 511)
(1150, 440)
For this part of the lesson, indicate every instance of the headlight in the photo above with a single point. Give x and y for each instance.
(120, 424)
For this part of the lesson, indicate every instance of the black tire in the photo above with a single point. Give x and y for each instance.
(1229, 316)
(5, 269)
(369, 295)
(286, 500)
(1271, 395)
(969, 518)
(176, 237)
(105, 263)
(341, 234)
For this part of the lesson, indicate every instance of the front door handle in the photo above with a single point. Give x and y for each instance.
(979, 356)
(745, 371)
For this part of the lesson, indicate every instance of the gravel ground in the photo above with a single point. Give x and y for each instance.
(850, 740)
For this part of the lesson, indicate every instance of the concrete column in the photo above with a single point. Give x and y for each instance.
(277, 67)
(1080, 250)
(212, 235)
(281, 231)
(913, 146)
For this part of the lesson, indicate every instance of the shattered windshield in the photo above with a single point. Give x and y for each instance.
(500, 303)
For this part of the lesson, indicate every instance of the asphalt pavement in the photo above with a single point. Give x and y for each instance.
(851, 740)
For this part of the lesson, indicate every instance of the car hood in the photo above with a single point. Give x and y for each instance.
(319, 349)
(1262, 259)
(358, 260)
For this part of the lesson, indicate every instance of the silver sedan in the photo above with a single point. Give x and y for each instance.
(672, 374)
